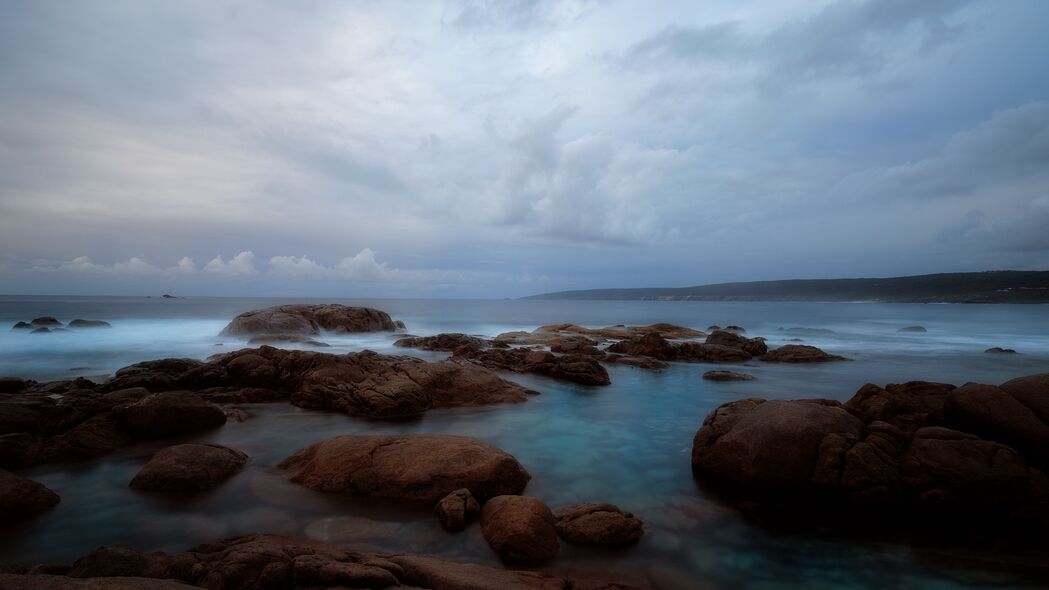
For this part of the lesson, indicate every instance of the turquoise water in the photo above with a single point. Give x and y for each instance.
(627, 443)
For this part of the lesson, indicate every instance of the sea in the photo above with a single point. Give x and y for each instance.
(628, 443)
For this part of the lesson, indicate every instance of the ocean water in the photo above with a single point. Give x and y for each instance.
(628, 443)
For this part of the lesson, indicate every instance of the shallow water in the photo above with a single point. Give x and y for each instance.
(627, 443)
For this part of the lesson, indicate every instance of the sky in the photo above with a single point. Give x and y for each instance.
(504, 148)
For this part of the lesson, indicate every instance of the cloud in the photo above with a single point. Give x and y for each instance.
(242, 264)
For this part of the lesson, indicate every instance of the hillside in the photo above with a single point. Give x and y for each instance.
(969, 287)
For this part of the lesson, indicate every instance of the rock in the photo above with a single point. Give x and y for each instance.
(650, 345)
(799, 353)
(1032, 391)
(41, 330)
(727, 376)
(898, 456)
(18, 450)
(641, 362)
(520, 529)
(22, 326)
(261, 562)
(598, 524)
(769, 445)
(752, 346)
(657, 347)
(803, 330)
(711, 353)
(158, 375)
(89, 324)
(412, 467)
(21, 498)
(444, 342)
(51, 582)
(309, 319)
(286, 338)
(993, 414)
(99, 435)
(189, 468)
(577, 368)
(46, 321)
(170, 413)
(457, 509)
(915, 329)
(13, 384)
(735, 328)
(547, 335)
(1000, 350)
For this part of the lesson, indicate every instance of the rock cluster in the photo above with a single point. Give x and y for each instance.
(168, 397)
(255, 562)
(46, 324)
(912, 452)
(309, 319)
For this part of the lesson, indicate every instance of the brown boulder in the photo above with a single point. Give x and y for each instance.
(457, 509)
(309, 319)
(520, 529)
(799, 353)
(650, 345)
(641, 362)
(413, 467)
(598, 524)
(577, 368)
(1032, 391)
(189, 468)
(989, 412)
(170, 413)
(22, 498)
(158, 375)
(731, 339)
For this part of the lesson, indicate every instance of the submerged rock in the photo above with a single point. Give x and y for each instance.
(309, 319)
(799, 353)
(1000, 350)
(286, 338)
(22, 326)
(22, 498)
(45, 321)
(914, 329)
(443, 342)
(189, 468)
(457, 509)
(41, 330)
(520, 529)
(727, 376)
(411, 467)
(598, 524)
(752, 346)
(90, 324)
(577, 368)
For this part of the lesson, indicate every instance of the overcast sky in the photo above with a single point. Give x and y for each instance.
(504, 148)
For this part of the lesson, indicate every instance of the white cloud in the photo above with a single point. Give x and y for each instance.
(242, 264)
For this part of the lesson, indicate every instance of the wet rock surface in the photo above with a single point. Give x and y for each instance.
(411, 467)
(257, 562)
(21, 498)
(457, 509)
(189, 468)
(307, 319)
(727, 376)
(907, 453)
(799, 353)
(598, 524)
(521, 529)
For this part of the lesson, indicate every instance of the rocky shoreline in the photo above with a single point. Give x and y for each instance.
(908, 456)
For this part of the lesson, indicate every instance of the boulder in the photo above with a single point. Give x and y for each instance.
(732, 339)
(412, 467)
(170, 413)
(799, 353)
(46, 321)
(457, 509)
(286, 339)
(158, 375)
(577, 368)
(309, 319)
(1000, 350)
(21, 498)
(189, 468)
(22, 326)
(1032, 391)
(598, 524)
(41, 330)
(727, 376)
(641, 362)
(89, 324)
(993, 414)
(520, 529)
(913, 329)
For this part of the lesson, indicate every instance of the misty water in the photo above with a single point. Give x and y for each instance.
(627, 443)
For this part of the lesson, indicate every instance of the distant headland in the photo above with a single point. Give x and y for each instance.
(999, 286)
